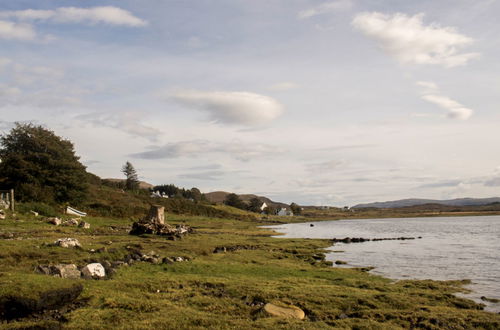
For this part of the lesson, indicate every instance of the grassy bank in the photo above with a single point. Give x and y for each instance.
(216, 290)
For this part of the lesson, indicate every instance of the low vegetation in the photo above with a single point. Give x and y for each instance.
(212, 290)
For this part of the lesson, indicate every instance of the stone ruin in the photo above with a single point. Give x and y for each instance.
(154, 223)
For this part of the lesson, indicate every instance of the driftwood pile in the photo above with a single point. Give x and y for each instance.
(154, 223)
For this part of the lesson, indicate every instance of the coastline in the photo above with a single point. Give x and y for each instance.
(232, 269)
(478, 292)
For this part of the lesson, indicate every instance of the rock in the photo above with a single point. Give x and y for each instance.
(54, 221)
(67, 242)
(167, 260)
(70, 222)
(340, 262)
(179, 259)
(34, 213)
(94, 270)
(84, 225)
(311, 225)
(65, 271)
(285, 312)
(43, 269)
(220, 249)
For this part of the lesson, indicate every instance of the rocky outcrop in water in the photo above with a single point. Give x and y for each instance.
(348, 240)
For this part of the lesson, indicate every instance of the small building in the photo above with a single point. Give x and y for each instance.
(284, 212)
(263, 207)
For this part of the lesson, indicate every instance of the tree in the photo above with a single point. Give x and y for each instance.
(132, 181)
(255, 205)
(296, 209)
(234, 201)
(41, 166)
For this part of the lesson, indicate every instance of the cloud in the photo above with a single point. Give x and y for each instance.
(128, 122)
(411, 42)
(16, 31)
(432, 94)
(327, 166)
(283, 86)
(197, 148)
(94, 15)
(325, 8)
(443, 184)
(241, 108)
(206, 175)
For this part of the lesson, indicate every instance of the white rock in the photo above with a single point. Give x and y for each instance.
(95, 270)
(65, 271)
(67, 242)
(54, 221)
(34, 213)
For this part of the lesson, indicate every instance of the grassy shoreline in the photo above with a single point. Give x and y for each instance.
(219, 290)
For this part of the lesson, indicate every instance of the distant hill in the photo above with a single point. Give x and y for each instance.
(219, 197)
(417, 201)
(142, 184)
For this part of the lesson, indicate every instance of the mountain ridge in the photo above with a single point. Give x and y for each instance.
(420, 201)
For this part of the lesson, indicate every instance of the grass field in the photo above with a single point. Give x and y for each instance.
(215, 290)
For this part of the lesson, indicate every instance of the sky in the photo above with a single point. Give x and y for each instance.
(314, 102)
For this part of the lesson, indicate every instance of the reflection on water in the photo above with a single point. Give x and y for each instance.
(451, 248)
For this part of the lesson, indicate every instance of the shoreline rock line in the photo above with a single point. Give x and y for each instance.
(349, 240)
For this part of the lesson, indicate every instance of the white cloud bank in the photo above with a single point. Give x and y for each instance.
(105, 14)
(325, 8)
(16, 31)
(241, 108)
(432, 94)
(411, 42)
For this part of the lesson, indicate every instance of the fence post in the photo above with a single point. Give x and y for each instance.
(12, 200)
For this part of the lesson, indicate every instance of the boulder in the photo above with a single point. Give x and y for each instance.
(67, 242)
(2, 215)
(84, 225)
(65, 271)
(95, 271)
(285, 312)
(54, 221)
(70, 222)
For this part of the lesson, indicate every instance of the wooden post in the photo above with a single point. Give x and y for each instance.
(12, 200)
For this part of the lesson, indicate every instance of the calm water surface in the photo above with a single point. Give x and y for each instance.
(451, 248)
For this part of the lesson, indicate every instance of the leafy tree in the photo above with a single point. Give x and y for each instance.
(132, 182)
(196, 194)
(270, 210)
(234, 201)
(296, 209)
(255, 205)
(41, 166)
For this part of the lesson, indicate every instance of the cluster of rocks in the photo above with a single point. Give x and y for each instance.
(90, 271)
(71, 222)
(68, 243)
(152, 257)
(154, 223)
(348, 240)
(233, 248)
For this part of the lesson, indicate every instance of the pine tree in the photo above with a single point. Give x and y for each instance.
(132, 181)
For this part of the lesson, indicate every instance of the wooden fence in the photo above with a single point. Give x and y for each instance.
(8, 197)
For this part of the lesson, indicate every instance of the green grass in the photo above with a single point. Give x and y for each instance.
(221, 290)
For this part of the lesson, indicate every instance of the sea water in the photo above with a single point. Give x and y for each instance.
(451, 248)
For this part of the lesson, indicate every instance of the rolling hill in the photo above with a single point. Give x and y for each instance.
(417, 201)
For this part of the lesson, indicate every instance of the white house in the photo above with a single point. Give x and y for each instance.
(284, 212)
(263, 206)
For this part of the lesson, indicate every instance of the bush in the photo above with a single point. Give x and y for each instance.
(41, 208)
